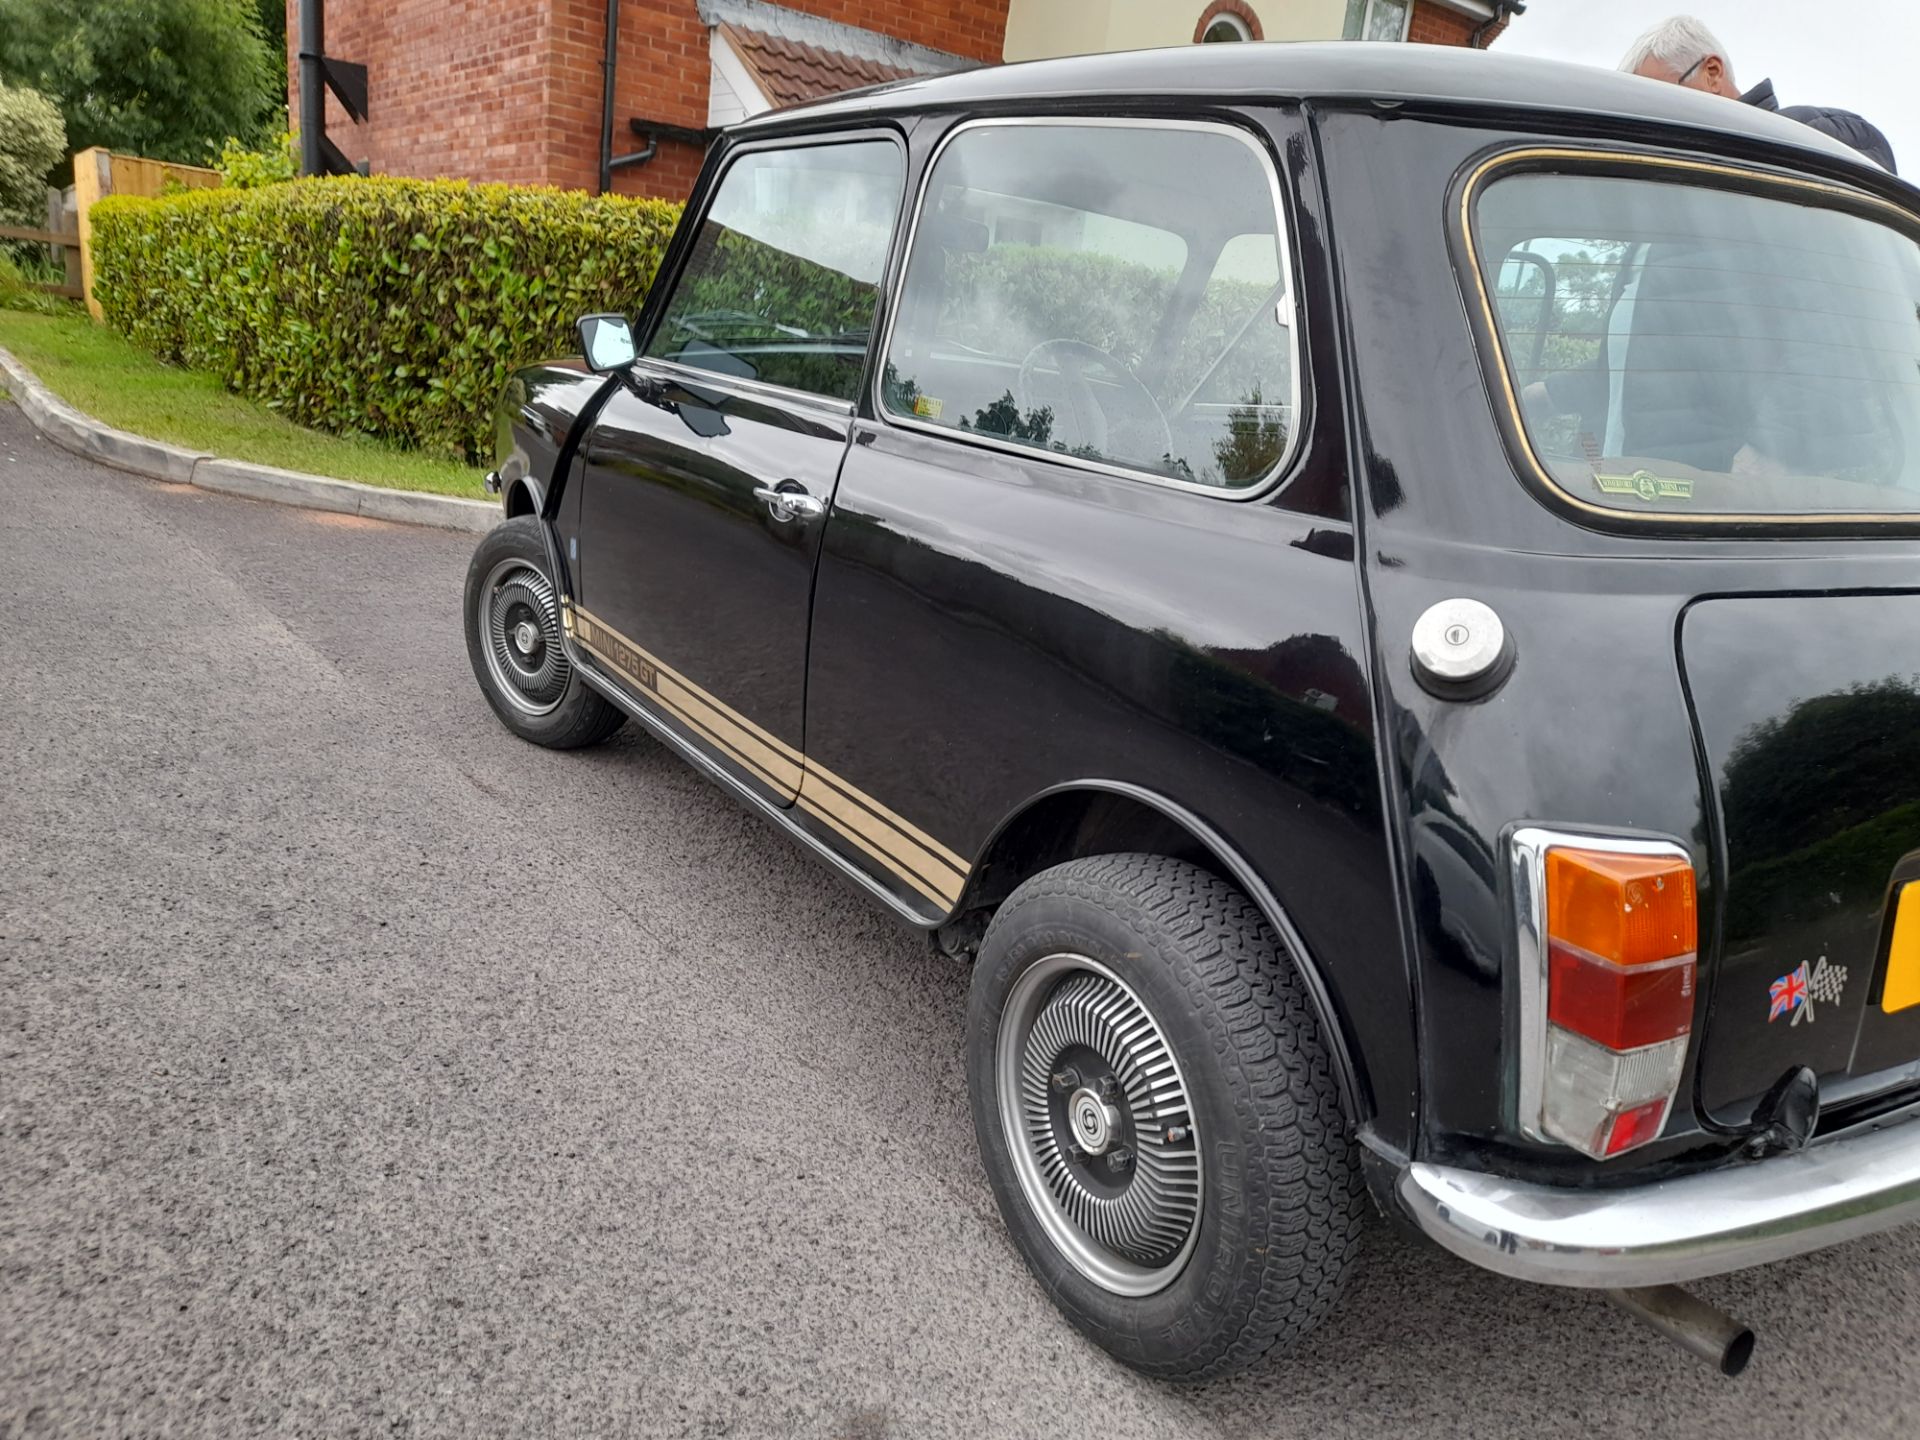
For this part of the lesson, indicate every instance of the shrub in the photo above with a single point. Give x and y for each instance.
(388, 307)
(245, 169)
(32, 140)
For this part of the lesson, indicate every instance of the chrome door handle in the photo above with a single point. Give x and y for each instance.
(794, 504)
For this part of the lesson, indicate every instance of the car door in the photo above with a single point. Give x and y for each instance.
(1079, 540)
(709, 471)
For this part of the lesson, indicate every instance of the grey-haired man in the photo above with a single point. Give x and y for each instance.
(1683, 51)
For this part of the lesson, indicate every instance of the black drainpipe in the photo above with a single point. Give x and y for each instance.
(313, 88)
(319, 73)
(606, 97)
(610, 162)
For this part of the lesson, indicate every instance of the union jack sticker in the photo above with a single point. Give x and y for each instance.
(1794, 992)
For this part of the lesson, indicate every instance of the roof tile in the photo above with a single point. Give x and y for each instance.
(789, 72)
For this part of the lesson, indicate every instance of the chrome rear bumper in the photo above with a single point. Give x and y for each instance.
(1673, 1230)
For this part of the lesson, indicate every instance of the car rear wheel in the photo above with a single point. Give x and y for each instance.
(513, 641)
(1156, 1108)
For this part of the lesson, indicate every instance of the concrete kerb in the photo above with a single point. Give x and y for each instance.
(83, 435)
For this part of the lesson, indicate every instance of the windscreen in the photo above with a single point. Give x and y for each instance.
(1682, 350)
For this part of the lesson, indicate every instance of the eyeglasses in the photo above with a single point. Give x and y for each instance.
(1688, 73)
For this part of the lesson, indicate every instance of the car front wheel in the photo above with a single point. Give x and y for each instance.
(1156, 1108)
(513, 642)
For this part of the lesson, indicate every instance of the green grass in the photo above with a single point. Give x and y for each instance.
(94, 370)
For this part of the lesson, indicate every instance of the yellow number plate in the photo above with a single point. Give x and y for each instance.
(1903, 960)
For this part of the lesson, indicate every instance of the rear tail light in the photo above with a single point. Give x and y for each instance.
(1608, 970)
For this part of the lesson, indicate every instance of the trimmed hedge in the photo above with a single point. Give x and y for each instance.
(386, 307)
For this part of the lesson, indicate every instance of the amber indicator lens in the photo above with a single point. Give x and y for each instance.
(1624, 909)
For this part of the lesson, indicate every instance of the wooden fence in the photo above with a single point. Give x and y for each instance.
(98, 172)
(67, 242)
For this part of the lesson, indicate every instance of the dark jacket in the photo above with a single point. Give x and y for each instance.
(1843, 125)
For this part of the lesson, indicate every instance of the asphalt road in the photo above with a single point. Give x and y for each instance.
(365, 1070)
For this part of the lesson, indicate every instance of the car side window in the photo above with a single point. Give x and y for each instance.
(1110, 292)
(784, 273)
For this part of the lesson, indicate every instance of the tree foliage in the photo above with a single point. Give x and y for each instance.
(167, 79)
(32, 141)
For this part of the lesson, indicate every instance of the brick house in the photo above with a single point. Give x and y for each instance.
(512, 90)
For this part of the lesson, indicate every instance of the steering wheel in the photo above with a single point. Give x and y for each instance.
(1141, 427)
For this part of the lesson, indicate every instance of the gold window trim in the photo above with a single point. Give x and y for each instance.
(1747, 175)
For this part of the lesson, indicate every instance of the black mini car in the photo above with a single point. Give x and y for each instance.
(1372, 592)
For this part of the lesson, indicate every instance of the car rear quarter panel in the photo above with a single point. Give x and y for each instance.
(1592, 731)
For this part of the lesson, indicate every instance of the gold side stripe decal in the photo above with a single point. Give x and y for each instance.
(892, 849)
(894, 842)
(692, 722)
(926, 888)
(690, 703)
(771, 741)
(818, 775)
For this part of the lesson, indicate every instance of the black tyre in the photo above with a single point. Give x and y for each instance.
(513, 640)
(1159, 1116)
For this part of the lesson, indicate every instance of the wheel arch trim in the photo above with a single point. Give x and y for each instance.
(1236, 867)
(535, 492)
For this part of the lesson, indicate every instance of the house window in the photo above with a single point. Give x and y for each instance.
(1225, 22)
(1378, 19)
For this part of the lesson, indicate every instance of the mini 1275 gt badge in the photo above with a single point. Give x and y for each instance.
(1647, 485)
(1795, 992)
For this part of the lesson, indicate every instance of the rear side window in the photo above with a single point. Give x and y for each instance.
(783, 277)
(1680, 350)
(1106, 292)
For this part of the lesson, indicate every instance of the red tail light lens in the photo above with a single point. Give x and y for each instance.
(1636, 1127)
(1622, 1008)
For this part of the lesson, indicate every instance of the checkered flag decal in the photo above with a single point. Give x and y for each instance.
(1827, 981)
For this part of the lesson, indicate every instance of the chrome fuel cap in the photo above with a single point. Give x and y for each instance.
(1460, 649)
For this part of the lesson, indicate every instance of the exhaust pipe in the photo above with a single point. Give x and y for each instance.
(1691, 1323)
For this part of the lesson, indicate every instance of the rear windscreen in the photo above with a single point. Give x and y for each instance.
(1679, 350)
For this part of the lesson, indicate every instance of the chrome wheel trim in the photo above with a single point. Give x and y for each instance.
(533, 680)
(1134, 1244)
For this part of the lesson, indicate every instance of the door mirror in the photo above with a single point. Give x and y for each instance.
(606, 341)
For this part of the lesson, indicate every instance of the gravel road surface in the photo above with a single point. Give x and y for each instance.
(364, 1070)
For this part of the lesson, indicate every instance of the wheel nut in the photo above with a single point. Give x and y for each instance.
(1077, 1155)
(1066, 1080)
(1119, 1159)
(1109, 1088)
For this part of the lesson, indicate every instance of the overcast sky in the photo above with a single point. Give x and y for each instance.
(1861, 55)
